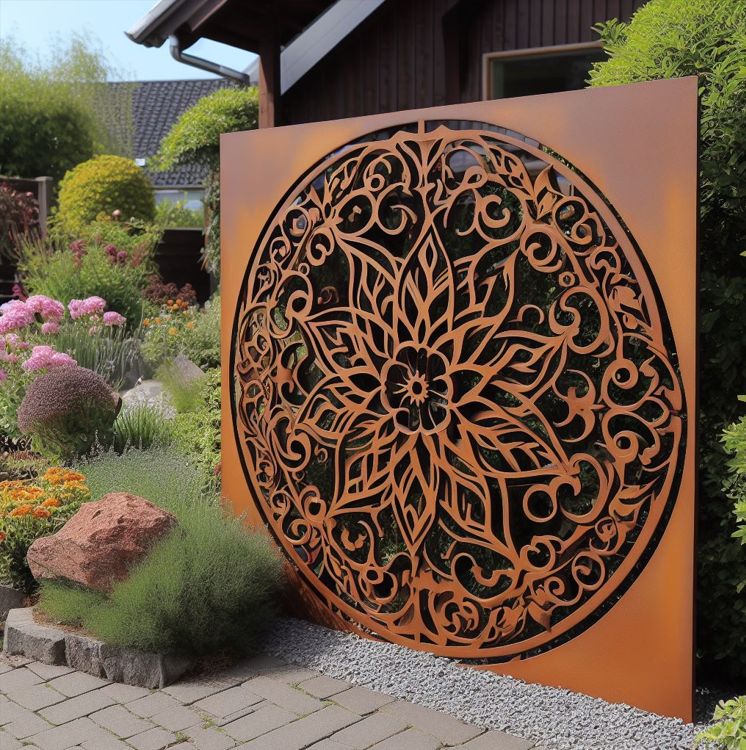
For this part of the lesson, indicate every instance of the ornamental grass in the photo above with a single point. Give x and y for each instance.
(209, 586)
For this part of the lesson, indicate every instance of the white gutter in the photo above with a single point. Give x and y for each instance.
(202, 64)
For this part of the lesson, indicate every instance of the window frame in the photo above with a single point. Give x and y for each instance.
(522, 53)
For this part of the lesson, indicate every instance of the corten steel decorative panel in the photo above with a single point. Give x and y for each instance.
(458, 397)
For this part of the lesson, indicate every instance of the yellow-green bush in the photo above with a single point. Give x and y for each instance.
(103, 185)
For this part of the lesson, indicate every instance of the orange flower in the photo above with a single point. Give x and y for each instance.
(51, 502)
(41, 513)
(157, 321)
(172, 331)
(22, 510)
(73, 476)
(146, 322)
(190, 324)
(2, 537)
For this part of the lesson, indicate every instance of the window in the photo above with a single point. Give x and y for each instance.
(539, 71)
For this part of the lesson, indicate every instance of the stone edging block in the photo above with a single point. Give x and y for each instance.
(50, 645)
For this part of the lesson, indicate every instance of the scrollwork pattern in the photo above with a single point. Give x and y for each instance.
(455, 393)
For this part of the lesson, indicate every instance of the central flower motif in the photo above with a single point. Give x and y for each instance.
(417, 389)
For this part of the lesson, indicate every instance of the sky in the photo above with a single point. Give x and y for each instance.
(35, 23)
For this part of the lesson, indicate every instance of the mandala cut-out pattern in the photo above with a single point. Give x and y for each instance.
(454, 392)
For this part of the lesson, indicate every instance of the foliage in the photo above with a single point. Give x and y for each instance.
(206, 587)
(51, 114)
(197, 432)
(21, 464)
(112, 352)
(160, 474)
(707, 38)
(141, 425)
(184, 393)
(111, 260)
(196, 138)
(176, 215)
(67, 411)
(19, 214)
(183, 329)
(211, 254)
(66, 603)
(734, 439)
(101, 186)
(729, 729)
(30, 510)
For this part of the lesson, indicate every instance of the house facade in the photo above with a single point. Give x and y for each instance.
(363, 57)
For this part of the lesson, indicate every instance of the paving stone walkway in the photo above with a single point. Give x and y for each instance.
(259, 704)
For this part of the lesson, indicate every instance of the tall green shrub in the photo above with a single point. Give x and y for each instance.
(195, 138)
(53, 114)
(707, 38)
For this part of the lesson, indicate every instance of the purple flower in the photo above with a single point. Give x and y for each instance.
(114, 319)
(111, 250)
(121, 257)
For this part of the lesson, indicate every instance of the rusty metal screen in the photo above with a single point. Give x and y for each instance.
(456, 393)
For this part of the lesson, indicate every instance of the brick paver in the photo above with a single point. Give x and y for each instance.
(448, 730)
(259, 704)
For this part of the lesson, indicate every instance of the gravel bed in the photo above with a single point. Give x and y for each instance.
(555, 719)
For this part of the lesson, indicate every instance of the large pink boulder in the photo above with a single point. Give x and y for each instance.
(101, 543)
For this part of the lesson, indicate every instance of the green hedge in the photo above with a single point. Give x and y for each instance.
(707, 38)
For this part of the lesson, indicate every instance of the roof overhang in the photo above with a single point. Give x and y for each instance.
(325, 33)
(246, 24)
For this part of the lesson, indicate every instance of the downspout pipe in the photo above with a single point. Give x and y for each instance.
(210, 67)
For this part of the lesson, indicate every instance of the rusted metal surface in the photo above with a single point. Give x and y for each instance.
(458, 398)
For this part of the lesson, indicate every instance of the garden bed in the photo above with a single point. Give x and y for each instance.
(28, 633)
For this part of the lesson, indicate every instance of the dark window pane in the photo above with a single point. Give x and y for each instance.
(543, 73)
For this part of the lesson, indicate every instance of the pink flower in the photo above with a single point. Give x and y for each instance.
(50, 327)
(15, 314)
(114, 319)
(121, 257)
(3, 376)
(48, 308)
(46, 358)
(90, 306)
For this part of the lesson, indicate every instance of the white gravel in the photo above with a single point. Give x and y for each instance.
(554, 719)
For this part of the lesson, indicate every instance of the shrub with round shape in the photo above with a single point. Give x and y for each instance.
(103, 185)
(67, 410)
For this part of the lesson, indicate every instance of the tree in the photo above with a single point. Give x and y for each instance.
(53, 115)
(707, 38)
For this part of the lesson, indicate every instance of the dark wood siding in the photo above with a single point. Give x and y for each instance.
(423, 53)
